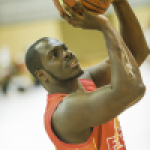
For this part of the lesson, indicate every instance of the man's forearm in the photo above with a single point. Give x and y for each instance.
(124, 68)
(131, 31)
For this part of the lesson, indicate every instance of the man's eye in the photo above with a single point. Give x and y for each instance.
(52, 57)
(54, 54)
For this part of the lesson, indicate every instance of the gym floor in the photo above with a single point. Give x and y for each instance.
(22, 128)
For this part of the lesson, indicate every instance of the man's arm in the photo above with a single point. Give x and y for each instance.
(131, 31)
(81, 110)
(133, 37)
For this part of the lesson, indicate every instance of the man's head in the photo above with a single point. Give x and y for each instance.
(49, 59)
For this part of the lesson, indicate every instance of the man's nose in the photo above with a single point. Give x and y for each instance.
(67, 54)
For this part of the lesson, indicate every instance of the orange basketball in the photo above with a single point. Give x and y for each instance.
(98, 6)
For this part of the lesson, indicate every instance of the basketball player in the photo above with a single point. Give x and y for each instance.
(83, 104)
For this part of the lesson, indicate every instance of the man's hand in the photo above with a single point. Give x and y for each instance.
(116, 0)
(82, 18)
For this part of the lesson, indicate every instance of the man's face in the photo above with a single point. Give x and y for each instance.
(58, 60)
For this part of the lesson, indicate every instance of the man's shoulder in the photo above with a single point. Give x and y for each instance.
(67, 112)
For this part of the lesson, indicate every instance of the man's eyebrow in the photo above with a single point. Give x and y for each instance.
(53, 49)
(49, 52)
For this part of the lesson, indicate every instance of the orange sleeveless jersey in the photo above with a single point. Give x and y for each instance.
(105, 137)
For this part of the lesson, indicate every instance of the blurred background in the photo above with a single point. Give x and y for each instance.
(23, 100)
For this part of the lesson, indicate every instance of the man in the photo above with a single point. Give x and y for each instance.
(147, 33)
(83, 105)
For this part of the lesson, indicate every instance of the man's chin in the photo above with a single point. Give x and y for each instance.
(65, 80)
(71, 78)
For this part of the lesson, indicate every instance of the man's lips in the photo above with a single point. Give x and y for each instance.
(73, 62)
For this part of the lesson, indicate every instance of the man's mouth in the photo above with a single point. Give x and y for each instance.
(73, 62)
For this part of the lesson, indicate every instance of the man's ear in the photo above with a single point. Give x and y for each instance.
(40, 74)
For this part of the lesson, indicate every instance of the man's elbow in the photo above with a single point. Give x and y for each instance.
(141, 89)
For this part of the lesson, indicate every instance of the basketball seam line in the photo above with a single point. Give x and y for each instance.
(94, 5)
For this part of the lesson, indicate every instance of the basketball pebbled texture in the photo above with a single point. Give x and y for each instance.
(98, 6)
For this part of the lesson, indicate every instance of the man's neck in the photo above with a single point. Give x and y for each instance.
(64, 87)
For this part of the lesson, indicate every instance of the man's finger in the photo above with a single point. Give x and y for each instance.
(64, 16)
(66, 9)
(79, 6)
(72, 12)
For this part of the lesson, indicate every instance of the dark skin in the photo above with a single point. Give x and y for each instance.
(118, 77)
